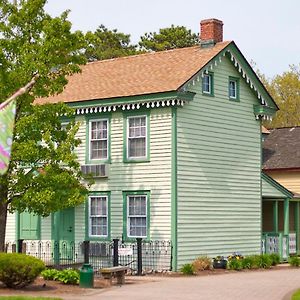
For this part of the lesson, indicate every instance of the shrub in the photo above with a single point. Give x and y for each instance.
(202, 263)
(250, 262)
(187, 269)
(68, 276)
(50, 274)
(235, 264)
(275, 259)
(294, 261)
(264, 261)
(18, 270)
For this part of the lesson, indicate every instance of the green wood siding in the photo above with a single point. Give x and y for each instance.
(153, 176)
(218, 171)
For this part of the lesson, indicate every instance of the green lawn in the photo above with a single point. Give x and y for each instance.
(26, 298)
(296, 295)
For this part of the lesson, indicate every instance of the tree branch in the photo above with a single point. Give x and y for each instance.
(21, 91)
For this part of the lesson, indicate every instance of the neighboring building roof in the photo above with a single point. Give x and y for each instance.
(264, 130)
(273, 189)
(142, 74)
(281, 149)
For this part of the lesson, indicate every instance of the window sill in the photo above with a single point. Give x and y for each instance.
(208, 94)
(98, 162)
(98, 239)
(136, 160)
(133, 239)
(234, 99)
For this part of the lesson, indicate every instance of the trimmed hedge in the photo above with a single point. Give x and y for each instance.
(19, 270)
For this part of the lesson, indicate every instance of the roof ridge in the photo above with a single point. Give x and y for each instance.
(148, 53)
(286, 127)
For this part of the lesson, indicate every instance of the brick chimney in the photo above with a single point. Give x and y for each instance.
(211, 32)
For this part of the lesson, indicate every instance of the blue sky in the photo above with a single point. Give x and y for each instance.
(267, 32)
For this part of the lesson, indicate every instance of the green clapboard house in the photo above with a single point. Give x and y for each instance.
(174, 141)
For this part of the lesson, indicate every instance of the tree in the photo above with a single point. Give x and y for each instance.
(105, 44)
(43, 174)
(169, 38)
(285, 89)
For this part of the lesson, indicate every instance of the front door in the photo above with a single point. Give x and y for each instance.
(66, 234)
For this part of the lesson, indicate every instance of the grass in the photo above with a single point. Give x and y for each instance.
(296, 295)
(26, 298)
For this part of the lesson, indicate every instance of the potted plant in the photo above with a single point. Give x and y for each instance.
(219, 262)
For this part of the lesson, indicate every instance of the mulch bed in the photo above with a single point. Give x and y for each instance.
(42, 287)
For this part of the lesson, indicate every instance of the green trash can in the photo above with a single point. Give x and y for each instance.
(86, 276)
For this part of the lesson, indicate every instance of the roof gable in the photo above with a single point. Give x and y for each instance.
(273, 189)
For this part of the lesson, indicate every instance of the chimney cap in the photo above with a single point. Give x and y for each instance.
(212, 20)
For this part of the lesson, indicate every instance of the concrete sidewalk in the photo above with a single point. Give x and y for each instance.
(257, 285)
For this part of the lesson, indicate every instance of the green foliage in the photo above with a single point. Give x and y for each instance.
(294, 261)
(19, 270)
(202, 263)
(264, 261)
(42, 177)
(235, 264)
(275, 258)
(188, 269)
(296, 295)
(50, 274)
(68, 276)
(285, 91)
(169, 38)
(250, 262)
(105, 44)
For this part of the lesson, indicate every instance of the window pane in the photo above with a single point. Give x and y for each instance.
(93, 206)
(137, 215)
(137, 147)
(232, 89)
(98, 216)
(137, 137)
(206, 83)
(99, 149)
(99, 139)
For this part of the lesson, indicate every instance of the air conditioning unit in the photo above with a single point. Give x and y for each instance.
(95, 170)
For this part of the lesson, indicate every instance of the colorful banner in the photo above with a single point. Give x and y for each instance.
(7, 118)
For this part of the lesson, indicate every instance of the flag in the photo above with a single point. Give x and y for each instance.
(7, 119)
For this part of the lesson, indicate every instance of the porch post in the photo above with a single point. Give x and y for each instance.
(297, 229)
(286, 214)
(275, 216)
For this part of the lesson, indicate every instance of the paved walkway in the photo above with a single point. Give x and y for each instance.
(258, 285)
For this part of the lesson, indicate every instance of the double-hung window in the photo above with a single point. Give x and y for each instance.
(207, 84)
(98, 216)
(233, 88)
(137, 215)
(137, 137)
(98, 142)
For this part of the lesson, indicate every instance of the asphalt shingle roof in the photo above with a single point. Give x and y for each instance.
(136, 75)
(281, 149)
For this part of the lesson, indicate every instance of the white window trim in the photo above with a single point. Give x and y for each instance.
(209, 84)
(235, 85)
(136, 216)
(90, 139)
(89, 216)
(146, 138)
